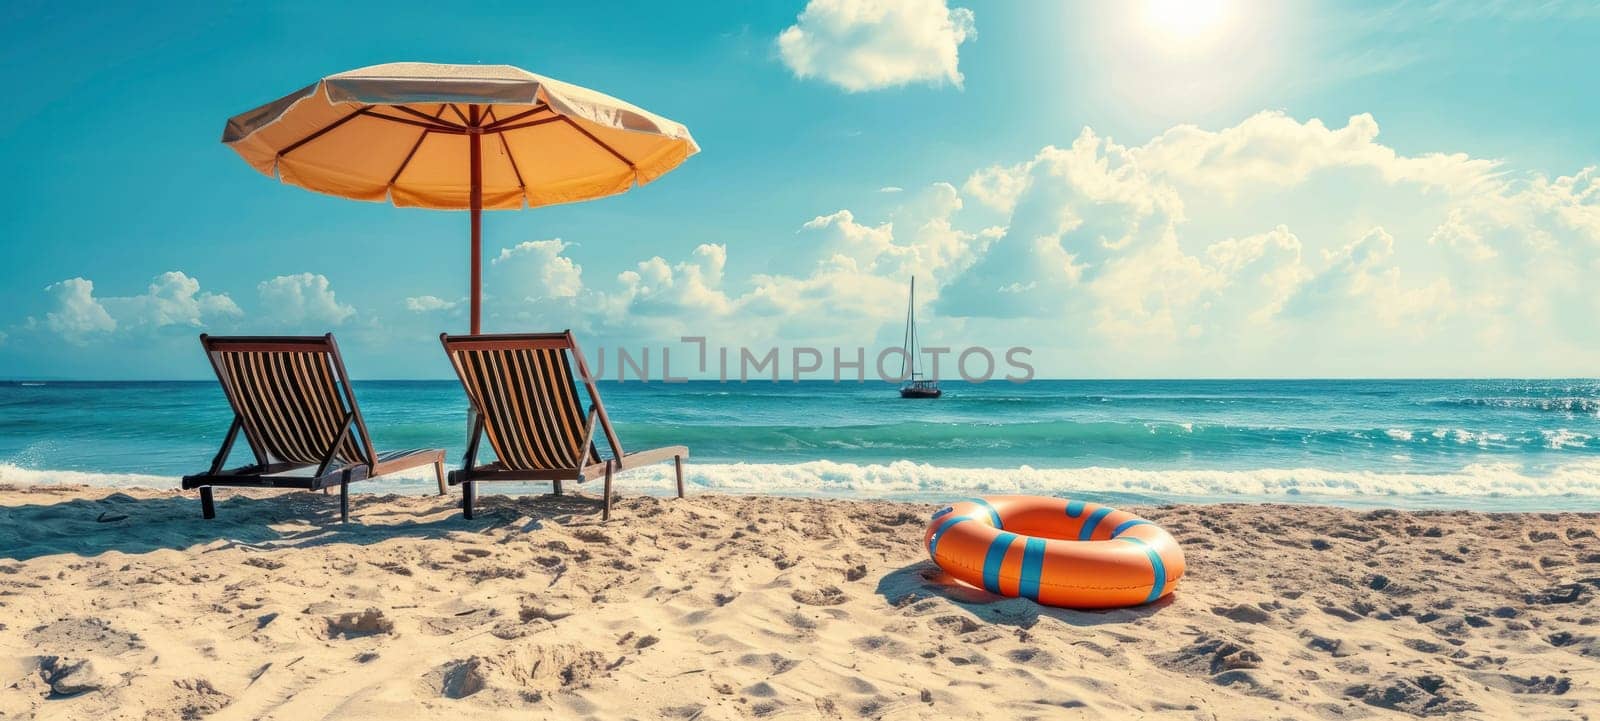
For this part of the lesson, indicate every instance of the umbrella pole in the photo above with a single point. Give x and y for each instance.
(475, 143)
(475, 200)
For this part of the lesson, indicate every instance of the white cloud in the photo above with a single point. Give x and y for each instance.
(1271, 148)
(871, 44)
(997, 186)
(77, 312)
(891, 189)
(1376, 261)
(692, 288)
(429, 303)
(928, 243)
(536, 270)
(1362, 275)
(303, 300)
(172, 299)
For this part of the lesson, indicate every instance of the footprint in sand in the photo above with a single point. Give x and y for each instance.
(881, 644)
(445, 625)
(771, 663)
(74, 634)
(825, 596)
(1419, 696)
(761, 689)
(1243, 613)
(1035, 657)
(528, 669)
(1210, 655)
(800, 622)
(954, 625)
(356, 624)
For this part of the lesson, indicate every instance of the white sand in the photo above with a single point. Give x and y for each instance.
(128, 605)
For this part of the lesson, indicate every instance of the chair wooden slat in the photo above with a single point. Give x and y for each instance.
(525, 396)
(292, 400)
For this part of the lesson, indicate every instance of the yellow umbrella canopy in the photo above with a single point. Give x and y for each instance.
(457, 137)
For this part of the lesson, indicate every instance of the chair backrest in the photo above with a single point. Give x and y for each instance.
(523, 387)
(291, 394)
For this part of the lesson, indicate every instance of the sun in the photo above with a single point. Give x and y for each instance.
(1186, 20)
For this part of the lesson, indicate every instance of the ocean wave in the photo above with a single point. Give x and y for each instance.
(1563, 438)
(1058, 439)
(11, 473)
(1584, 405)
(919, 480)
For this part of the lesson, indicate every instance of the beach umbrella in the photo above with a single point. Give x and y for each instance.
(457, 137)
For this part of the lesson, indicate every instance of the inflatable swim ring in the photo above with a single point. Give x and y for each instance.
(1055, 551)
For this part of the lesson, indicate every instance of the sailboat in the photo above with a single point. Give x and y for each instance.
(915, 385)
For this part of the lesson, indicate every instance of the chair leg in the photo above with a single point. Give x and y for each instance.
(558, 487)
(468, 490)
(605, 515)
(438, 472)
(208, 508)
(344, 501)
(677, 467)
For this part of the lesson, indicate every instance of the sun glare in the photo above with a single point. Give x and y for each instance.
(1186, 20)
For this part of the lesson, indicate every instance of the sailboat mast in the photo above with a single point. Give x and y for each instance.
(911, 324)
(906, 344)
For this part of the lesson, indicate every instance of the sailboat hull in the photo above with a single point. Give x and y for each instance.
(920, 392)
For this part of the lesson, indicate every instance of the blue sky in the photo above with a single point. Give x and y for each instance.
(1143, 189)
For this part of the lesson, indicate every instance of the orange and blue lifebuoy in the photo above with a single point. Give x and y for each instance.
(1055, 551)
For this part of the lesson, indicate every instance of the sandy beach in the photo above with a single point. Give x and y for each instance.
(126, 605)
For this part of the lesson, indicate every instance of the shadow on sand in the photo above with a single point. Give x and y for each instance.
(912, 586)
(123, 523)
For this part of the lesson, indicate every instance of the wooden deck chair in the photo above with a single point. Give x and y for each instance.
(525, 396)
(291, 397)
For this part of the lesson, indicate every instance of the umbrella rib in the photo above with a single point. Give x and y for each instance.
(496, 125)
(601, 143)
(529, 124)
(323, 131)
(457, 110)
(437, 128)
(513, 158)
(431, 118)
(397, 171)
(424, 136)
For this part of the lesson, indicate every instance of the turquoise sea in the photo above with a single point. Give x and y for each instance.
(1482, 444)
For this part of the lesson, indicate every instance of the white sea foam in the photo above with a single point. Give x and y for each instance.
(908, 479)
(1481, 439)
(28, 476)
(1398, 434)
(1563, 438)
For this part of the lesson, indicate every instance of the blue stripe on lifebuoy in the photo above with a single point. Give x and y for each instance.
(1125, 525)
(993, 514)
(938, 533)
(1087, 531)
(942, 512)
(1157, 568)
(1074, 509)
(1032, 568)
(994, 559)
